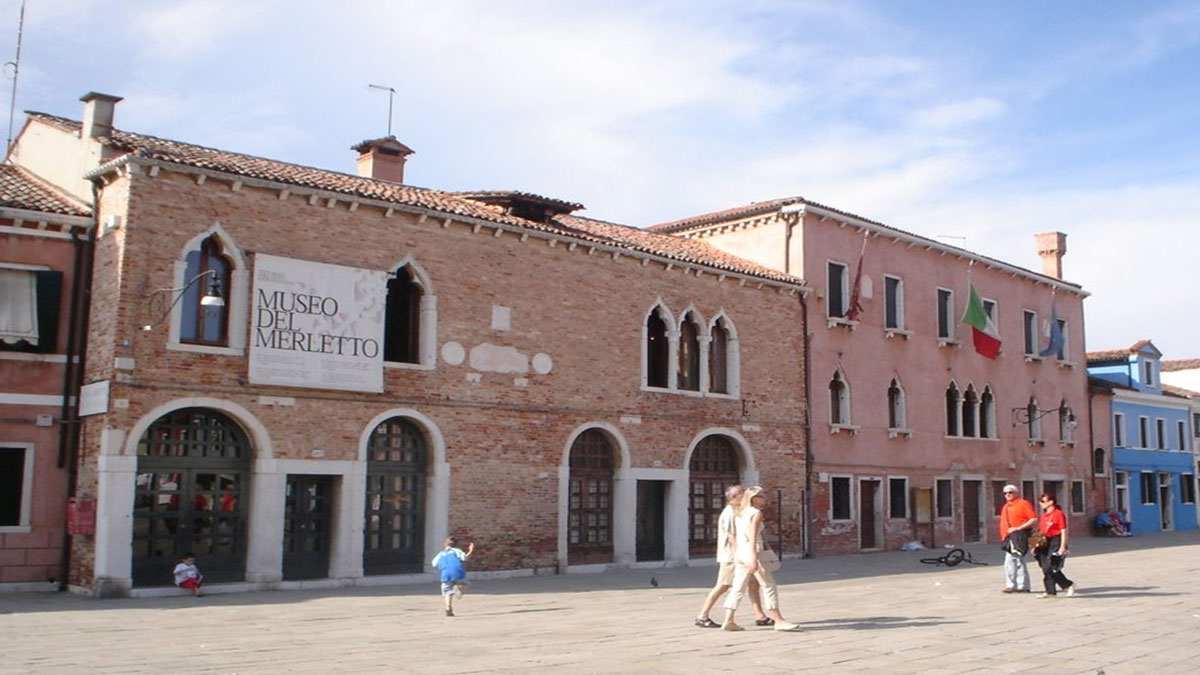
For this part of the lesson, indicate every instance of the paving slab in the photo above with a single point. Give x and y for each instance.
(1138, 612)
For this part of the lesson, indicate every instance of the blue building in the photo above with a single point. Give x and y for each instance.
(1153, 472)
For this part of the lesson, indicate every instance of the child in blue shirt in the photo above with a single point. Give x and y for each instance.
(453, 575)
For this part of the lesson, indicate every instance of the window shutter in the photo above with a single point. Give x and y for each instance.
(49, 296)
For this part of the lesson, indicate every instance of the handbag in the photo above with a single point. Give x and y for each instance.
(1017, 543)
(1037, 541)
(769, 560)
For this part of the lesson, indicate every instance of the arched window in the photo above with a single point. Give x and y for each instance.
(206, 276)
(952, 410)
(688, 375)
(896, 411)
(1066, 423)
(1098, 467)
(394, 531)
(718, 358)
(658, 350)
(1035, 422)
(402, 319)
(987, 414)
(970, 409)
(713, 468)
(839, 399)
(590, 499)
(190, 494)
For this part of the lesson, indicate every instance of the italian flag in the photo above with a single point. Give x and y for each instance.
(983, 329)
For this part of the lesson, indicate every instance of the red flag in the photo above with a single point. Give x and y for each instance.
(856, 290)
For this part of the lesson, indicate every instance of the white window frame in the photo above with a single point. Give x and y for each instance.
(1143, 432)
(427, 327)
(844, 286)
(907, 508)
(1064, 353)
(1148, 373)
(1121, 492)
(237, 297)
(1029, 333)
(850, 488)
(1160, 433)
(1119, 430)
(25, 517)
(896, 303)
(949, 337)
(1181, 429)
(937, 492)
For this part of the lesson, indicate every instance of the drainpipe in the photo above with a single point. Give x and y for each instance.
(68, 370)
(81, 305)
(809, 549)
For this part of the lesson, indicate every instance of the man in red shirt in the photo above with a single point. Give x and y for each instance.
(1016, 518)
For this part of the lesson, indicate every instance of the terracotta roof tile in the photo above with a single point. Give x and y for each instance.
(19, 190)
(1179, 364)
(1180, 391)
(186, 154)
(1116, 354)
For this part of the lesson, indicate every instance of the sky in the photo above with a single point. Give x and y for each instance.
(978, 123)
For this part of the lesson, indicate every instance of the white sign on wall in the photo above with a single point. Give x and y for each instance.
(317, 325)
(93, 398)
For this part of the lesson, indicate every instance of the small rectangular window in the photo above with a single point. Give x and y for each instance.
(1118, 430)
(893, 293)
(838, 291)
(1187, 488)
(1196, 424)
(945, 498)
(1149, 488)
(1181, 434)
(898, 497)
(1143, 432)
(1160, 431)
(1064, 351)
(1077, 496)
(1148, 373)
(1031, 336)
(840, 499)
(1121, 481)
(945, 313)
(1029, 489)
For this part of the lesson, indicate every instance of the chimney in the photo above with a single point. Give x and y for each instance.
(1051, 247)
(382, 159)
(98, 114)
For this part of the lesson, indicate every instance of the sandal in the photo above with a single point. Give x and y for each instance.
(707, 623)
(764, 622)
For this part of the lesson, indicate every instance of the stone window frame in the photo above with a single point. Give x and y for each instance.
(237, 296)
(25, 516)
(672, 360)
(427, 324)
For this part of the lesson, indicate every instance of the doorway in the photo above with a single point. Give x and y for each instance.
(869, 523)
(307, 526)
(1165, 505)
(972, 527)
(651, 520)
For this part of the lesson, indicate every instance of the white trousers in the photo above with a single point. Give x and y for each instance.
(741, 578)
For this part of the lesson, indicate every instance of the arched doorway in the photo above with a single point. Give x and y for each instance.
(193, 478)
(590, 499)
(394, 532)
(713, 468)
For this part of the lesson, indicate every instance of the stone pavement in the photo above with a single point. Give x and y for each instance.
(1138, 611)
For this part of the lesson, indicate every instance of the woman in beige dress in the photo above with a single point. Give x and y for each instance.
(748, 544)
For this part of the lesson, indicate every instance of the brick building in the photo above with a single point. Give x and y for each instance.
(307, 376)
(43, 250)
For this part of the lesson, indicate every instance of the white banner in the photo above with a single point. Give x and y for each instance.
(317, 325)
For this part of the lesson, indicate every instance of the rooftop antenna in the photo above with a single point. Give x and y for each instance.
(391, 95)
(15, 64)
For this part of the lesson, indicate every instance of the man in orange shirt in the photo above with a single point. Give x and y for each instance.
(1016, 519)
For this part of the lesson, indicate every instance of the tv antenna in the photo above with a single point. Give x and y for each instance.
(391, 95)
(15, 64)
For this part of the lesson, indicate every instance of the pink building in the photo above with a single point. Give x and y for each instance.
(914, 433)
(42, 250)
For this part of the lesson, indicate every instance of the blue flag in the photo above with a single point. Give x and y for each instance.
(1056, 336)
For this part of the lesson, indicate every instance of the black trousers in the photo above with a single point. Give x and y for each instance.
(1051, 563)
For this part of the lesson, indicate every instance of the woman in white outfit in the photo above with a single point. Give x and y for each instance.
(748, 543)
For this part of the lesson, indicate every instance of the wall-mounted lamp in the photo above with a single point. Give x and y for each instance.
(161, 302)
(1023, 416)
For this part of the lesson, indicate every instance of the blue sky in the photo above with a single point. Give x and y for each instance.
(985, 122)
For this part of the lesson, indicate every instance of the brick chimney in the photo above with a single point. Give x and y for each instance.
(1051, 247)
(382, 159)
(98, 114)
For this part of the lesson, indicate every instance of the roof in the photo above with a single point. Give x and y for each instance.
(20, 190)
(1180, 391)
(1179, 364)
(774, 205)
(130, 144)
(1117, 354)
